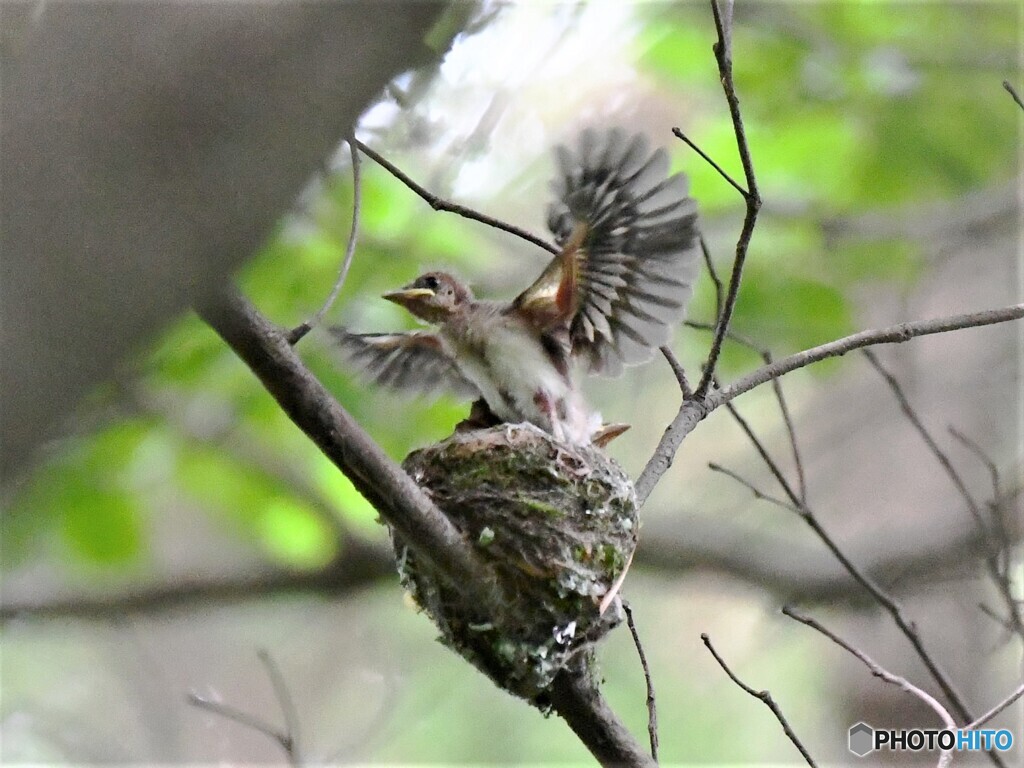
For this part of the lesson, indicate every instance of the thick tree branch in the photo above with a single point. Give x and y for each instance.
(359, 564)
(401, 502)
(577, 699)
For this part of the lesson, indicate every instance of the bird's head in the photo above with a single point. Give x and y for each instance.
(434, 296)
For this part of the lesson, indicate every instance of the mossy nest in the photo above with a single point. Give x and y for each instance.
(557, 523)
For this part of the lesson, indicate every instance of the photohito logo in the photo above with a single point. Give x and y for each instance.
(863, 739)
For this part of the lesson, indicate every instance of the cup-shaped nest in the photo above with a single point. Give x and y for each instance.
(558, 525)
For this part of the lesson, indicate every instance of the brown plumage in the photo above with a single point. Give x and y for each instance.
(621, 281)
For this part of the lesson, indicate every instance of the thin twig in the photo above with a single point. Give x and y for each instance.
(242, 718)
(758, 493)
(765, 697)
(1010, 89)
(787, 420)
(762, 451)
(780, 398)
(721, 172)
(883, 674)
(752, 197)
(715, 279)
(906, 626)
(350, 249)
(996, 709)
(995, 545)
(286, 739)
(983, 457)
(652, 708)
(284, 700)
(677, 369)
(439, 204)
(936, 451)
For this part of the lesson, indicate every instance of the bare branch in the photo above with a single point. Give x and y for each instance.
(677, 369)
(652, 708)
(765, 697)
(894, 334)
(936, 451)
(787, 420)
(995, 544)
(244, 718)
(762, 451)
(693, 411)
(883, 674)
(359, 564)
(284, 699)
(983, 457)
(715, 279)
(752, 197)
(996, 709)
(286, 739)
(439, 204)
(721, 172)
(576, 698)
(350, 250)
(758, 493)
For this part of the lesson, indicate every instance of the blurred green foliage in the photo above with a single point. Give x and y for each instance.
(849, 107)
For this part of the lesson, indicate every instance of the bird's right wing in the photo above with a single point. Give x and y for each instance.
(412, 362)
(630, 252)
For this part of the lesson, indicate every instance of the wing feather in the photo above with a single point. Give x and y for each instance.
(629, 255)
(411, 362)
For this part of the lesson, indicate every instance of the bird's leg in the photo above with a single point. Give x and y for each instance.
(547, 406)
(480, 417)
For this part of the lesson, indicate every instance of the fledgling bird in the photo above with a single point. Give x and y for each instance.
(628, 258)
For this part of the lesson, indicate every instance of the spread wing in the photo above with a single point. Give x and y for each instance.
(630, 252)
(412, 362)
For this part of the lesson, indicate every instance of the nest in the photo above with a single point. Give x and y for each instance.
(557, 523)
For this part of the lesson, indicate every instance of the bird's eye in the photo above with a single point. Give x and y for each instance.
(430, 282)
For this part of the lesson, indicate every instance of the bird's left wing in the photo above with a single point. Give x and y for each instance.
(412, 362)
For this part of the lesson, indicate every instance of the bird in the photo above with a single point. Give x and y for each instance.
(628, 256)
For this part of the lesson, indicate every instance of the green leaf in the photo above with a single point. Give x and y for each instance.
(293, 533)
(100, 524)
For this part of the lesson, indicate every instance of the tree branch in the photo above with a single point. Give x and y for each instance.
(894, 334)
(752, 196)
(693, 411)
(576, 698)
(402, 503)
(882, 674)
(440, 204)
(765, 698)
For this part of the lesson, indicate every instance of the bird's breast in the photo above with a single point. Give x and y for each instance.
(507, 362)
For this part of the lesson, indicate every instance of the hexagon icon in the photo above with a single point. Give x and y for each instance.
(862, 739)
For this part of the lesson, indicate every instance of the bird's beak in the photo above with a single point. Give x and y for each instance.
(407, 295)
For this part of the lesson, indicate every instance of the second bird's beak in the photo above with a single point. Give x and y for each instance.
(407, 296)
